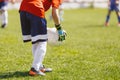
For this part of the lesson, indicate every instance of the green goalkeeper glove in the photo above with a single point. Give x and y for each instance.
(61, 33)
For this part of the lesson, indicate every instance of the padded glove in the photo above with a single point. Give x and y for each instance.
(61, 33)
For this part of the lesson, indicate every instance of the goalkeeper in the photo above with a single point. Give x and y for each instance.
(34, 29)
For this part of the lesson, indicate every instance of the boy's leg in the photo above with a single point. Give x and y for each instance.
(39, 51)
(39, 54)
(118, 17)
(4, 18)
(107, 18)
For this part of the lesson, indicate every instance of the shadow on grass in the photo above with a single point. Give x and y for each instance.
(16, 74)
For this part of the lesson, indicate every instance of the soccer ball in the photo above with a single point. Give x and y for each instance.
(53, 36)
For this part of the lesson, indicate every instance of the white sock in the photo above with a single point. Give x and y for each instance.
(39, 51)
(34, 47)
(4, 17)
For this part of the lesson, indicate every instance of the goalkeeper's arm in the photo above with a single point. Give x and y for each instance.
(56, 19)
(55, 15)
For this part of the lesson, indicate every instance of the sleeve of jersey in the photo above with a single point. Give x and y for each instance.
(56, 3)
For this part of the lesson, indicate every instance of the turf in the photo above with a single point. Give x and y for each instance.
(91, 50)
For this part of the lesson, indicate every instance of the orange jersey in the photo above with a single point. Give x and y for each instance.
(54, 3)
(38, 7)
(34, 7)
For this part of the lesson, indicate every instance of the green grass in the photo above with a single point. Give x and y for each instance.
(90, 52)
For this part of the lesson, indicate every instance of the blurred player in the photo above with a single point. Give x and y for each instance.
(4, 12)
(34, 29)
(113, 5)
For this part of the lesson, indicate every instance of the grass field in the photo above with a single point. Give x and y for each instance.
(90, 52)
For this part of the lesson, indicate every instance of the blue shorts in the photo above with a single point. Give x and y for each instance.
(114, 7)
(33, 27)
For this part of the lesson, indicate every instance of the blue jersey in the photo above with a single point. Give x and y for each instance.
(112, 2)
(114, 5)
